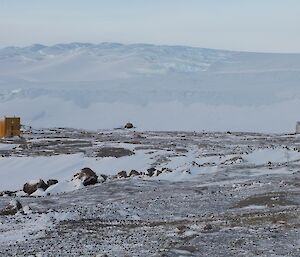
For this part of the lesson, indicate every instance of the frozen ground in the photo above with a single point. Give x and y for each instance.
(224, 194)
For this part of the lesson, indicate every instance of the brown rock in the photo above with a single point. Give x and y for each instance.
(128, 125)
(87, 176)
(11, 209)
(30, 188)
(114, 152)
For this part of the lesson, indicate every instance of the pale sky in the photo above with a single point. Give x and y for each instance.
(249, 25)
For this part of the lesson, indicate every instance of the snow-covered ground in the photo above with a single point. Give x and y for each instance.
(210, 194)
(7, 146)
(155, 87)
(63, 167)
(59, 154)
(222, 194)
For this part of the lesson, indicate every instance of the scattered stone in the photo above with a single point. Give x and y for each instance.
(7, 193)
(128, 125)
(87, 176)
(31, 187)
(166, 170)
(122, 174)
(12, 208)
(52, 182)
(134, 173)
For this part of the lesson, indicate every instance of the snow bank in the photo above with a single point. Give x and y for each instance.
(15, 171)
(278, 155)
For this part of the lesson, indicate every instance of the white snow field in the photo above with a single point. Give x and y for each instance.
(156, 87)
(61, 153)
(63, 167)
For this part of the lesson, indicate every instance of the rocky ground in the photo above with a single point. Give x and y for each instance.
(224, 205)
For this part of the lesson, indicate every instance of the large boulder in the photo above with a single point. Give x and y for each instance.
(31, 187)
(12, 208)
(87, 176)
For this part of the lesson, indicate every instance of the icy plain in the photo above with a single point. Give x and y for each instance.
(156, 87)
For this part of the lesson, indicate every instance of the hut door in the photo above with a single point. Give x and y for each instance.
(11, 128)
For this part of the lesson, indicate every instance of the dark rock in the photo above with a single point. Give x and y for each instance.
(134, 173)
(158, 172)
(52, 182)
(166, 170)
(87, 176)
(102, 178)
(114, 152)
(208, 227)
(122, 174)
(7, 193)
(30, 188)
(151, 172)
(128, 125)
(90, 181)
(11, 209)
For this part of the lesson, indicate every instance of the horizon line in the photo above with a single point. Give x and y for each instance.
(144, 44)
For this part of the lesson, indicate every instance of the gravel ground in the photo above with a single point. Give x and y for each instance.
(242, 209)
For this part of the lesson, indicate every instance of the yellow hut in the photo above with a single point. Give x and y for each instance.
(10, 127)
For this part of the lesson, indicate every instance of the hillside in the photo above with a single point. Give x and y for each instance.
(155, 87)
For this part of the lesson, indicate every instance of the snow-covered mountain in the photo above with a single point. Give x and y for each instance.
(156, 87)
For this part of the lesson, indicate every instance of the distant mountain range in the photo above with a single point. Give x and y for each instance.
(157, 87)
(89, 62)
